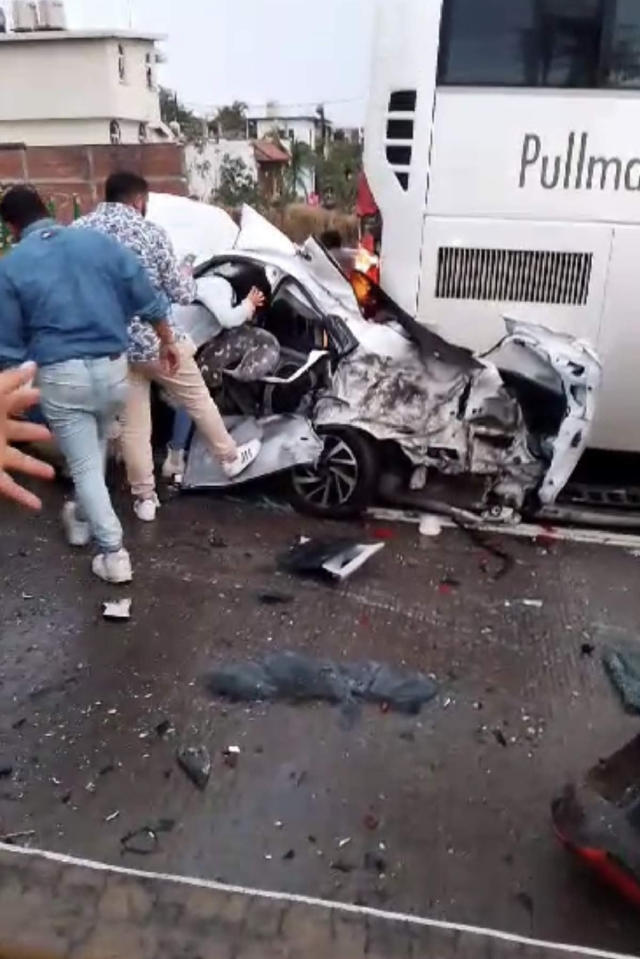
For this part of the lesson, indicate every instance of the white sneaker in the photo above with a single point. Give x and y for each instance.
(146, 509)
(78, 532)
(113, 567)
(174, 465)
(247, 455)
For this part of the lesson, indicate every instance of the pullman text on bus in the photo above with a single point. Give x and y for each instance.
(576, 168)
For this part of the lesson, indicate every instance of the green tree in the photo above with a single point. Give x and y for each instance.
(338, 172)
(232, 121)
(237, 184)
(303, 162)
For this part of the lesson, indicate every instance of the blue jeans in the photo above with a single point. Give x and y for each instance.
(182, 426)
(80, 399)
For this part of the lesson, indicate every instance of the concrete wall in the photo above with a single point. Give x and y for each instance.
(204, 162)
(64, 173)
(75, 79)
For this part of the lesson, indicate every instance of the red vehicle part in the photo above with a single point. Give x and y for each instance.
(599, 820)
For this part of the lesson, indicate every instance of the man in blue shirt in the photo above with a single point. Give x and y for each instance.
(67, 298)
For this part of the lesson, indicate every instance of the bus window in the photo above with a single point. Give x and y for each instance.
(624, 64)
(516, 43)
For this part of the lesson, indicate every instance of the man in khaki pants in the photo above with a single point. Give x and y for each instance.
(122, 216)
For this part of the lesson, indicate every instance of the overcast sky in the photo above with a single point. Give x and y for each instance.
(298, 52)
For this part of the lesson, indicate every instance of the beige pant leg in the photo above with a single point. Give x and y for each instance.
(136, 433)
(189, 391)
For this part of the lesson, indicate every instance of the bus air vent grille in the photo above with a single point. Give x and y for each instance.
(513, 276)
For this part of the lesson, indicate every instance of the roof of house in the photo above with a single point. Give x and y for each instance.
(43, 36)
(269, 152)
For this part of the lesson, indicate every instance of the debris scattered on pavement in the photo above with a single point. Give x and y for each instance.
(231, 755)
(340, 865)
(587, 649)
(113, 816)
(297, 678)
(163, 728)
(532, 603)
(371, 822)
(500, 738)
(344, 843)
(141, 842)
(217, 542)
(195, 762)
(275, 599)
(525, 901)
(6, 769)
(373, 862)
(337, 560)
(623, 669)
(145, 841)
(289, 856)
(430, 525)
(117, 612)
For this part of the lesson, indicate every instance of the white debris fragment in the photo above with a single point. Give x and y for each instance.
(533, 603)
(343, 843)
(117, 612)
(113, 816)
(430, 525)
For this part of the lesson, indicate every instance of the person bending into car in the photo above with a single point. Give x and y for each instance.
(66, 301)
(231, 341)
(123, 217)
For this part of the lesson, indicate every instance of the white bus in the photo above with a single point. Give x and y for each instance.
(503, 153)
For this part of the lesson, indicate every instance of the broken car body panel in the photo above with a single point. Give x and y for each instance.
(518, 416)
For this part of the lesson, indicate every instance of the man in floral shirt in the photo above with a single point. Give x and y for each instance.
(123, 216)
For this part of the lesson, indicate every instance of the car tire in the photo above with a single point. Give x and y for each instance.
(345, 481)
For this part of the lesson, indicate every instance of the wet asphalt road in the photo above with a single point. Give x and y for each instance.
(456, 825)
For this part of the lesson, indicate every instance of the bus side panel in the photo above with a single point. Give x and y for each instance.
(585, 276)
(405, 60)
(617, 425)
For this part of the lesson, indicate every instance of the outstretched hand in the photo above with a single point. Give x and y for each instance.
(16, 397)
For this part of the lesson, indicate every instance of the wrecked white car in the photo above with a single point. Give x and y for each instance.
(367, 404)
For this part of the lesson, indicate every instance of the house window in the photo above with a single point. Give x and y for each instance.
(122, 63)
(115, 133)
(151, 80)
(524, 43)
(143, 133)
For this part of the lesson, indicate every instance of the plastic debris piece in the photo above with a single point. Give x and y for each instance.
(117, 612)
(623, 669)
(195, 762)
(375, 863)
(430, 525)
(113, 816)
(163, 728)
(297, 678)
(587, 649)
(344, 843)
(231, 755)
(500, 738)
(533, 603)
(6, 769)
(289, 856)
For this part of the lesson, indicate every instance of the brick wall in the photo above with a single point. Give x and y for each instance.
(76, 174)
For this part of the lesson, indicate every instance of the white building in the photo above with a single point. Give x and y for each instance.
(289, 127)
(66, 87)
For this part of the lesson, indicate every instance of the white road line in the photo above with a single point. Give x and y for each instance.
(563, 534)
(311, 901)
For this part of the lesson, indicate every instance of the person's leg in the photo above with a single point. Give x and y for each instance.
(189, 391)
(174, 463)
(223, 352)
(69, 404)
(260, 354)
(136, 435)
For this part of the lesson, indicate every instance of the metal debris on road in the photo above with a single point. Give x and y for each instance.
(195, 762)
(117, 612)
(336, 560)
(297, 678)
